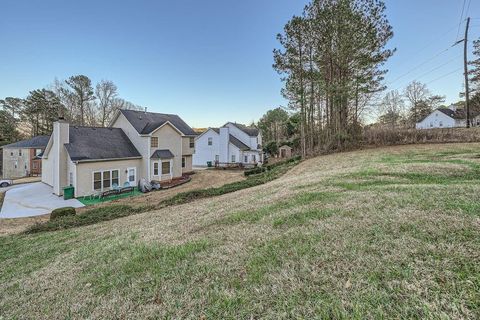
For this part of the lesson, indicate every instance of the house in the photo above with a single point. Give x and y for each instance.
(23, 158)
(451, 117)
(136, 145)
(231, 144)
(285, 151)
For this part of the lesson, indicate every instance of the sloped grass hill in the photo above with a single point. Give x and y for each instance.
(385, 233)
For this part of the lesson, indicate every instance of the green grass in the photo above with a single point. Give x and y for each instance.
(87, 201)
(111, 212)
(348, 236)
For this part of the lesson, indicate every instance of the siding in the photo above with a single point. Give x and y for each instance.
(9, 161)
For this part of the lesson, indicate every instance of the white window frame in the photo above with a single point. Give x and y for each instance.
(151, 142)
(102, 188)
(217, 158)
(158, 169)
(234, 158)
(245, 158)
(210, 141)
(134, 176)
(254, 158)
(169, 166)
(19, 152)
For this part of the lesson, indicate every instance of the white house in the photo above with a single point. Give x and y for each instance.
(137, 145)
(450, 117)
(231, 144)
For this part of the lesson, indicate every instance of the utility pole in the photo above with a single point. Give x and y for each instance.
(465, 62)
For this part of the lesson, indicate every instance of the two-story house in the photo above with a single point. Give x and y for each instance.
(136, 145)
(233, 143)
(23, 158)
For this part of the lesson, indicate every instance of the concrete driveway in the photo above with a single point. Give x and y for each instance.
(33, 199)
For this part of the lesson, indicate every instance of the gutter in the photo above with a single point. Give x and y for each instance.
(105, 160)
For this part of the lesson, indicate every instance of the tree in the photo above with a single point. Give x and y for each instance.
(416, 93)
(331, 63)
(13, 105)
(393, 108)
(8, 132)
(106, 93)
(80, 93)
(475, 70)
(273, 125)
(42, 108)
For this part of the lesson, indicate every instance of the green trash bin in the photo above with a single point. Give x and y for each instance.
(68, 192)
(209, 164)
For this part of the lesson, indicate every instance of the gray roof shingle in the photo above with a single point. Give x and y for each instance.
(89, 143)
(251, 131)
(35, 142)
(162, 154)
(147, 122)
(237, 143)
(459, 114)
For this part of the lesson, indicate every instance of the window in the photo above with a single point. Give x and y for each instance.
(210, 141)
(217, 158)
(246, 159)
(192, 142)
(38, 151)
(155, 168)
(16, 164)
(106, 179)
(154, 142)
(184, 160)
(233, 158)
(132, 175)
(97, 181)
(11, 153)
(103, 179)
(441, 124)
(70, 178)
(166, 167)
(431, 124)
(20, 152)
(115, 180)
(254, 158)
(35, 165)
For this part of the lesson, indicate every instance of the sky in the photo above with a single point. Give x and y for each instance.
(208, 61)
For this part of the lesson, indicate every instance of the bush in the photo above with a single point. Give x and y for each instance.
(62, 212)
(256, 170)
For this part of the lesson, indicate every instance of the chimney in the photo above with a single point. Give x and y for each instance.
(61, 136)
(145, 110)
(453, 107)
(223, 145)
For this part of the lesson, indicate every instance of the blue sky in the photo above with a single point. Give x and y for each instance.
(208, 61)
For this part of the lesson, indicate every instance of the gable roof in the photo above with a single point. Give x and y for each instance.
(147, 122)
(35, 142)
(89, 144)
(459, 114)
(237, 143)
(251, 131)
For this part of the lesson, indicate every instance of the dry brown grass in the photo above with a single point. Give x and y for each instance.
(403, 249)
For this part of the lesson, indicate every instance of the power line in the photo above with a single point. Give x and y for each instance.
(445, 75)
(461, 19)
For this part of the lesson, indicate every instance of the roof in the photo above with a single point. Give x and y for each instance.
(285, 146)
(35, 142)
(237, 143)
(147, 122)
(90, 143)
(162, 154)
(251, 131)
(459, 114)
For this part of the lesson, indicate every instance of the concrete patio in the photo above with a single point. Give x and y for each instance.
(33, 199)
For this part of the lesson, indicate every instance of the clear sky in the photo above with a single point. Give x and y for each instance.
(209, 61)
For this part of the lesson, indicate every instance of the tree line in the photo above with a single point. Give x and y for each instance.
(75, 99)
(331, 60)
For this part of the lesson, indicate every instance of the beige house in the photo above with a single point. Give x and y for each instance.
(136, 145)
(23, 158)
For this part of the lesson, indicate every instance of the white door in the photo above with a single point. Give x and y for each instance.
(132, 176)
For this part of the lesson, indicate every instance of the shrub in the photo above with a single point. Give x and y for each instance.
(62, 212)
(256, 170)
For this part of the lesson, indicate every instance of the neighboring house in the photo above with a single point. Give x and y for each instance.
(231, 144)
(285, 151)
(450, 117)
(23, 158)
(136, 145)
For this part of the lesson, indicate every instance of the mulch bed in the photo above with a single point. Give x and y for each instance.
(175, 182)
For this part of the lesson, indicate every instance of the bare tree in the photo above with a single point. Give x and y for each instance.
(106, 93)
(416, 93)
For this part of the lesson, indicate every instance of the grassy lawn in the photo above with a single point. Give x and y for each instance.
(386, 233)
(88, 201)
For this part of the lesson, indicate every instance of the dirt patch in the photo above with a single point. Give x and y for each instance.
(11, 226)
(27, 180)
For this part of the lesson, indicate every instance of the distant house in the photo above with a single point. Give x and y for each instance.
(137, 145)
(231, 144)
(451, 117)
(23, 158)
